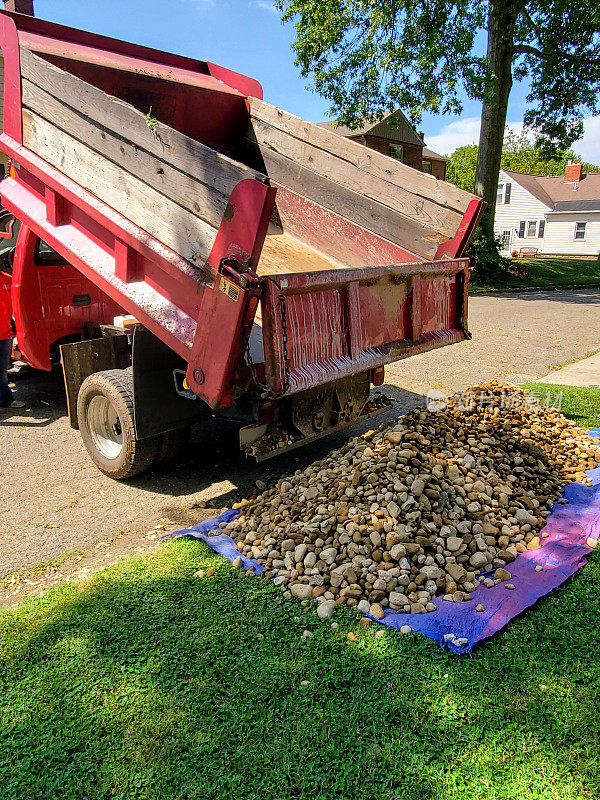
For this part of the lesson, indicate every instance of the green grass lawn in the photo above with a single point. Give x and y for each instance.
(549, 272)
(145, 682)
(580, 404)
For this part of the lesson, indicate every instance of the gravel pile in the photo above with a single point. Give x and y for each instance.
(418, 508)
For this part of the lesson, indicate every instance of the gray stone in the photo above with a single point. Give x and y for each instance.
(301, 590)
(326, 608)
(375, 538)
(523, 516)
(393, 509)
(417, 487)
(300, 552)
(364, 606)
(432, 572)
(398, 551)
(397, 600)
(453, 543)
(478, 560)
(329, 554)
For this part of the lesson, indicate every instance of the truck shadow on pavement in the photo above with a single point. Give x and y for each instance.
(583, 296)
(212, 464)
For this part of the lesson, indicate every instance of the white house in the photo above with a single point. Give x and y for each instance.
(557, 216)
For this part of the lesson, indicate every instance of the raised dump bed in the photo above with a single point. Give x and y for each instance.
(272, 256)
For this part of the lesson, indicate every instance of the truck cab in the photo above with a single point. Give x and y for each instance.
(52, 301)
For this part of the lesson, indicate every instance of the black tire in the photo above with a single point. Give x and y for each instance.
(105, 417)
(172, 445)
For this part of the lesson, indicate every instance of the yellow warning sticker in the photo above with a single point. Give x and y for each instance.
(230, 289)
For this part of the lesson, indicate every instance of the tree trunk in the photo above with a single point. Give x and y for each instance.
(502, 17)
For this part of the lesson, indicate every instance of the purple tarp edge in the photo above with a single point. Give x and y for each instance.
(564, 551)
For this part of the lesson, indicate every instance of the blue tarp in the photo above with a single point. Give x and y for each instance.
(563, 552)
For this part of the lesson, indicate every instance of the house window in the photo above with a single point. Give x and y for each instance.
(505, 241)
(531, 229)
(503, 193)
(397, 151)
(541, 228)
(426, 166)
(579, 231)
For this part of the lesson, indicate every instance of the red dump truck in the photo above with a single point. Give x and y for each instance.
(270, 267)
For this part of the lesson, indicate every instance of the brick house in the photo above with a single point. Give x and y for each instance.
(395, 136)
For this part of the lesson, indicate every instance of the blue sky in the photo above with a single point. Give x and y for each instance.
(248, 36)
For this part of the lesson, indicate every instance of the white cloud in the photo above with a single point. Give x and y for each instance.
(265, 5)
(203, 4)
(466, 131)
(456, 134)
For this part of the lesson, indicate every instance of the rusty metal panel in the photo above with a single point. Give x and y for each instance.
(320, 327)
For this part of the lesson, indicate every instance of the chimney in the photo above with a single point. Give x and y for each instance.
(20, 6)
(572, 173)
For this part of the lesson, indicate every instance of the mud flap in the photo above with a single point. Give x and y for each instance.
(81, 359)
(158, 407)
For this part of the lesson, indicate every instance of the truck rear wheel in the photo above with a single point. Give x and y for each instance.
(106, 424)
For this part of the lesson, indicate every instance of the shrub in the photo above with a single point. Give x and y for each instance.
(485, 250)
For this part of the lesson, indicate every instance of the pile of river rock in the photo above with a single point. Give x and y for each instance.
(433, 504)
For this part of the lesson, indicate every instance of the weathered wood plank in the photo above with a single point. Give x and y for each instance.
(162, 218)
(369, 161)
(206, 202)
(385, 222)
(441, 219)
(180, 151)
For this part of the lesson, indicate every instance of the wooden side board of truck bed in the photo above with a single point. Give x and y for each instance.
(177, 188)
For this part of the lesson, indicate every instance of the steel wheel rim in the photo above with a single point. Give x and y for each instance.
(104, 426)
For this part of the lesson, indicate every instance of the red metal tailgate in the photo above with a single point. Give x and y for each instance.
(322, 326)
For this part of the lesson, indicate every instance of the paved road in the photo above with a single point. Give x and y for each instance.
(53, 500)
(518, 337)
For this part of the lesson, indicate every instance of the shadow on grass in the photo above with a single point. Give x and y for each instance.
(150, 683)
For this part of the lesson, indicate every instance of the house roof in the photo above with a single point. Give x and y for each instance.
(559, 195)
(427, 153)
(394, 126)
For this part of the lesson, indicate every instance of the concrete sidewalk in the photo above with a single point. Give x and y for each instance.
(583, 373)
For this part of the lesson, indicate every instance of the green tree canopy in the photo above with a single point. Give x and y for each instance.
(372, 56)
(518, 155)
